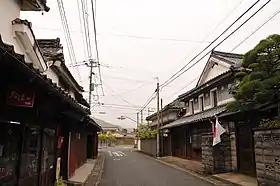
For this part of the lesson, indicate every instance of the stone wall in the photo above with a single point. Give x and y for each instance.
(216, 159)
(267, 155)
(207, 153)
(149, 146)
(233, 151)
(222, 155)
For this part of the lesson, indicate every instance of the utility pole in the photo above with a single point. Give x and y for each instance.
(158, 118)
(161, 124)
(142, 117)
(149, 111)
(91, 85)
(137, 133)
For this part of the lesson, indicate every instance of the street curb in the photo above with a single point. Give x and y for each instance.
(208, 178)
(96, 174)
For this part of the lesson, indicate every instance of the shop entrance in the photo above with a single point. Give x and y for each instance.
(9, 152)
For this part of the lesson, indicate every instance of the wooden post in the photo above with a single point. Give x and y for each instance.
(21, 146)
(95, 150)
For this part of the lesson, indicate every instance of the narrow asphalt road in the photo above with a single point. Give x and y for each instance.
(126, 167)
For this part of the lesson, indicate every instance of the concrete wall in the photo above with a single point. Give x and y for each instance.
(52, 75)
(267, 156)
(149, 146)
(125, 141)
(9, 10)
(224, 96)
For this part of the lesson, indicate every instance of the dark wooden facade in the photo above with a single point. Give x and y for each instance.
(185, 141)
(80, 143)
(29, 132)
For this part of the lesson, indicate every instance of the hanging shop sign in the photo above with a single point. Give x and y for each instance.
(20, 97)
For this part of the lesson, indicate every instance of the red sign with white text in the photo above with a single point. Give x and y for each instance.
(20, 97)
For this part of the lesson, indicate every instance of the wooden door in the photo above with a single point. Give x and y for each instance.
(245, 149)
(9, 153)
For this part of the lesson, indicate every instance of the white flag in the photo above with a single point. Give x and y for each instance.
(218, 131)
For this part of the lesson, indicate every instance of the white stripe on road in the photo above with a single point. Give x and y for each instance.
(110, 153)
(123, 154)
(117, 153)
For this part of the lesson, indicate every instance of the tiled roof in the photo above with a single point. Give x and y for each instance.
(196, 117)
(174, 105)
(51, 49)
(233, 59)
(9, 49)
(105, 125)
(94, 123)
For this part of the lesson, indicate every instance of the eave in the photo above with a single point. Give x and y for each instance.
(33, 5)
(46, 83)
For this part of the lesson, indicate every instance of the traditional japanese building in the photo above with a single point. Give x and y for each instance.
(37, 112)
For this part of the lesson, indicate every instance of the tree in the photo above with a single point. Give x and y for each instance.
(259, 79)
(144, 132)
(101, 137)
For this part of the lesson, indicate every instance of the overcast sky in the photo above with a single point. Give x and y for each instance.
(140, 40)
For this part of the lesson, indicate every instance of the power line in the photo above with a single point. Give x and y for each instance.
(257, 29)
(171, 80)
(96, 45)
(131, 36)
(218, 25)
(81, 28)
(166, 82)
(151, 98)
(184, 87)
(119, 107)
(118, 94)
(113, 104)
(68, 37)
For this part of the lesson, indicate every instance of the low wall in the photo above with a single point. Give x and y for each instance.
(216, 159)
(125, 141)
(267, 155)
(149, 146)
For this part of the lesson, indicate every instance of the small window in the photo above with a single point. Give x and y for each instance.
(191, 107)
(214, 98)
(201, 101)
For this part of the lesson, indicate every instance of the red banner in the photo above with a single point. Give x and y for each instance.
(20, 97)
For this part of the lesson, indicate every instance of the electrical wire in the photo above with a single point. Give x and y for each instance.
(151, 98)
(257, 29)
(218, 25)
(68, 37)
(118, 95)
(184, 87)
(169, 79)
(96, 45)
(130, 36)
(82, 30)
(117, 107)
(128, 106)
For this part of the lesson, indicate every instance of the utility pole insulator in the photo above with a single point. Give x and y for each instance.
(92, 85)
